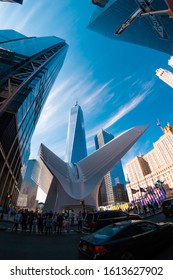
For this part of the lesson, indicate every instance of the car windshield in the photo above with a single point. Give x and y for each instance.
(107, 232)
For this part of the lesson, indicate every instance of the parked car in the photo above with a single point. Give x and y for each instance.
(96, 220)
(126, 240)
(167, 207)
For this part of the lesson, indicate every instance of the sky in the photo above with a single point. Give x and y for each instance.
(114, 82)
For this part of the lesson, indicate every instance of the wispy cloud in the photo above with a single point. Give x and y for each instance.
(124, 110)
(62, 98)
(24, 21)
(94, 96)
(17, 19)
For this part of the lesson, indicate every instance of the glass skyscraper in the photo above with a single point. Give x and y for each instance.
(114, 176)
(13, 1)
(124, 21)
(28, 69)
(76, 141)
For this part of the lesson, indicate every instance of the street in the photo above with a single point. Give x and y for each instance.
(167, 253)
(31, 246)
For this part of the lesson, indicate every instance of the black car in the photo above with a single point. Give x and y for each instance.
(167, 207)
(96, 220)
(126, 240)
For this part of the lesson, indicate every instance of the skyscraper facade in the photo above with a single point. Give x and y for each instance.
(76, 141)
(128, 21)
(165, 75)
(113, 177)
(28, 69)
(29, 188)
(156, 165)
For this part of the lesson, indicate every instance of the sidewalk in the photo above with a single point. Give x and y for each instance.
(150, 214)
(7, 222)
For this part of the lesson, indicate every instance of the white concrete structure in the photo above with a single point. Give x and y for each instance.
(165, 75)
(72, 182)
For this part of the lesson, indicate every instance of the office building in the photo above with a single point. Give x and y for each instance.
(76, 141)
(170, 61)
(157, 165)
(28, 192)
(120, 194)
(135, 21)
(165, 75)
(28, 69)
(113, 177)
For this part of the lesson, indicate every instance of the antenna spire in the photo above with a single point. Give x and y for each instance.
(76, 102)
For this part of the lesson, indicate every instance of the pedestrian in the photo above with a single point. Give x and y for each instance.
(17, 220)
(156, 205)
(30, 219)
(54, 222)
(60, 219)
(79, 221)
(72, 215)
(40, 223)
(145, 209)
(48, 224)
(24, 219)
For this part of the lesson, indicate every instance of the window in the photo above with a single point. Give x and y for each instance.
(107, 232)
(145, 227)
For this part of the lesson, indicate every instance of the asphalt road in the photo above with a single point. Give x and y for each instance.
(26, 246)
(31, 246)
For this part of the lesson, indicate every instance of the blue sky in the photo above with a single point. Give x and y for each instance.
(114, 82)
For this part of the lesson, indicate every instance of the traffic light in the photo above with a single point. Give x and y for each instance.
(81, 202)
(9, 195)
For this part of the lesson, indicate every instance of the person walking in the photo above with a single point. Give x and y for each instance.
(48, 224)
(60, 219)
(17, 220)
(30, 220)
(24, 219)
(79, 221)
(40, 223)
(72, 215)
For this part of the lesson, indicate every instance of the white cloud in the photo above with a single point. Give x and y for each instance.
(24, 21)
(124, 110)
(94, 96)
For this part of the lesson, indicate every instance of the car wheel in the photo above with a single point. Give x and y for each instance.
(127, 255)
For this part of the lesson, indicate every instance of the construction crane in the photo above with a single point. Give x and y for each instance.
(145, 9)
(143, 4)
(158, 124)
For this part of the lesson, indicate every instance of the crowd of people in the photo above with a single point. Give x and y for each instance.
(47, 222)
(149, 208)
